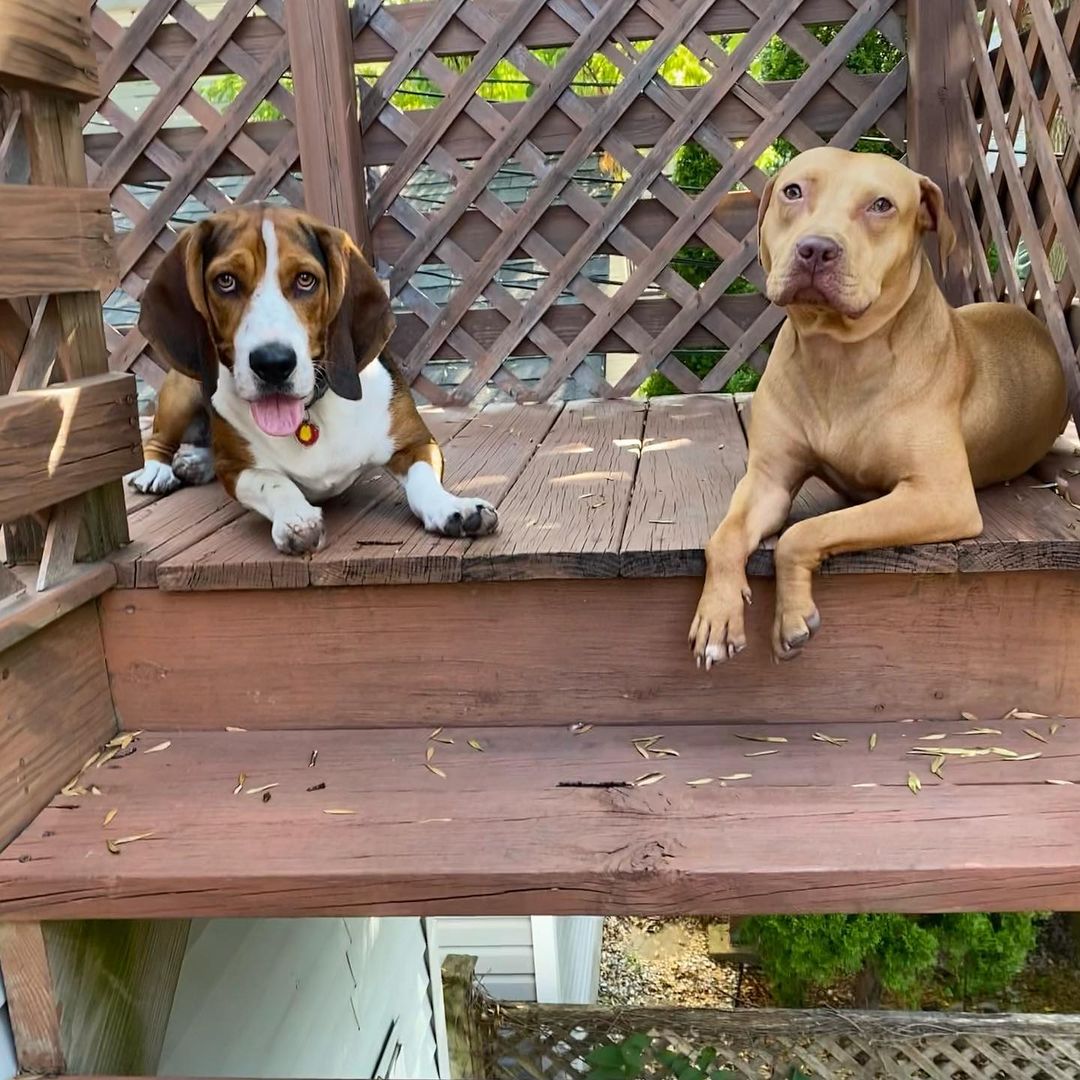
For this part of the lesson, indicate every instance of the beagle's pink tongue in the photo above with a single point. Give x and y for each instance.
(278, 414)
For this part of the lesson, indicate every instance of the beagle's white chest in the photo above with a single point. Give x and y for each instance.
(351, 435)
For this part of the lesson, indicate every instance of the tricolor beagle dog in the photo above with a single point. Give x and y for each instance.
(276, 322)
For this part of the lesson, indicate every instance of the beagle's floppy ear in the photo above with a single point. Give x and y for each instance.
(933, 218)
(763, 206)
(173, 316)
(361, 321)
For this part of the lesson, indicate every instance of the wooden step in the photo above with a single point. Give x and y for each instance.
(546, 821)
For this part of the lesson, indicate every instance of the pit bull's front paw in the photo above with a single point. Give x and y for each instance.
(455, 516)
(194, 465)
(299, 534)
(718, 631)
(792, 630)
(155, 478)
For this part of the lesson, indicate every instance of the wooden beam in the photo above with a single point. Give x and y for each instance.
(895, 659)
(65, 440)
(320, 56)
(32, 1002)
(55, 240)
(33, 611)
(45, 45)
(937, 141)
(459, 994)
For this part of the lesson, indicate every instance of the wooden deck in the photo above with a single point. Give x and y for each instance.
(542, 819)
(596, 489)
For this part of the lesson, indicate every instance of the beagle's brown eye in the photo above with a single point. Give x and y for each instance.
(306, 281)
(225, 283)
(792, 192)
(881, 206)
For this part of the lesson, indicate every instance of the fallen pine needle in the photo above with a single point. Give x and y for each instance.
(661, 521)
(160, 746)
(95, 790)
(647, 740)
(1055, 727)
(229, 727)
(971, 718)
(446, 741)
(760, 753)
(981, 731)
(762, 738)
(873, 740)
(434, 769)
(1001, 751)
(937, 736)
(241, 780)
(108, 756)
(1035, 735)
(864, 785)
(819, 736)
(259, 790)
(314, 758)
(580, 729)
(93, 757)
(475, 744)
(436, 733)
(429, 820)
(951, 751)
(648, 778)
(914, 783)
(132, 839)
(1063, 782)
(1027, 757)
(699, 782)
(736, 776)
(108, 818)
(430, 753)
(936, 765)
(665, 751)
(1030, 716)
(642, 751)
(339, 811)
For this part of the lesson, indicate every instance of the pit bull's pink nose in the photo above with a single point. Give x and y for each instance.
(817, 251)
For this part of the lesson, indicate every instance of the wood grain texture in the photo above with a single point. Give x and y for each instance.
(328, 130)
(47, 736)
(114, 982)
(45, 45)
(65, 440)
(565, 515)
(608, 652)
(420, 844)
(483, 460)
(34, 611)
(55, 240)
(692, 456)
(32, 1004)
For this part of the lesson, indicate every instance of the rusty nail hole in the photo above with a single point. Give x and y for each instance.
(939, 694)
(4, 674)
(47, 833)
(24, 858)
(879, 708)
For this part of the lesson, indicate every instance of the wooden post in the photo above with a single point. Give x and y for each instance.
(327, 126)
(936, 142)
(465, 1049)
(32, 1002)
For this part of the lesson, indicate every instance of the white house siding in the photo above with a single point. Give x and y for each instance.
(566, 954)
(503, 947)
(303, 998)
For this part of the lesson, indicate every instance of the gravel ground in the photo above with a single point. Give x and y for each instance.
(666, 962)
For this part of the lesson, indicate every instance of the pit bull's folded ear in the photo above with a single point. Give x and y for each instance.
(763, 206)
(361, 321)
(173, 315)
(933, 218)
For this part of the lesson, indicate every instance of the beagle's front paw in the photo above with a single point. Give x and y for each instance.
(194, 465)
(792, 629)
(155, 478)
(454, 516)
(718, 631)
(299, 534)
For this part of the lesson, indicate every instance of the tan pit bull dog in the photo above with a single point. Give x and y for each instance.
(900, 402)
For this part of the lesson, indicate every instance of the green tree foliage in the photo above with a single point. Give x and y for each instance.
(962, 956)
(636, 1057)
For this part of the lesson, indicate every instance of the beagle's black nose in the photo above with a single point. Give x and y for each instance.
(817, 251)
(273, 363)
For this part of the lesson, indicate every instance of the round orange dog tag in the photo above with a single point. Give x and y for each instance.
(307, 434)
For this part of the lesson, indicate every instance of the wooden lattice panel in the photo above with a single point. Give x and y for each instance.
(525, 289)
(1021, 105)
(552, 1041)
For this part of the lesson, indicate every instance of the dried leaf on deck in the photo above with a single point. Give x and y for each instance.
(648, 778)
(436, 733)
(736, 776)
(647, 740)
(1035, 735)
(93, 757)
(665, 751)
(1055, 727)
(313, 759)
(873, 740)
(832, 740)
(762, 738)
(108, 818)
(446, 740)
(259, 790)
(914, 783)
(971, 718)
(580, 729)
(430, 753)
(1030, 716)
(475, 744)
(108, 756)
(700, 781)
(241, 780)
(229, 727)
(111, 845)
(642, 751)
(95, 790)
(937, 764)
(434, 769)
(160, 746)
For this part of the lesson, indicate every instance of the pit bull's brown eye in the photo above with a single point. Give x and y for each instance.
(881, 206)
(225, 283)
(306, 281)
(792, 192)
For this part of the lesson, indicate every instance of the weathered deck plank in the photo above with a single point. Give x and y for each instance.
(565, 515)
(419, 843)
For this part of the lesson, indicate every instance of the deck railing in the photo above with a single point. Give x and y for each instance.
(68, 427)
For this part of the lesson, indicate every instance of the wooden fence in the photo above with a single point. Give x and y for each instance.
(551, 1041)
(512, 161)
(68, 427)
